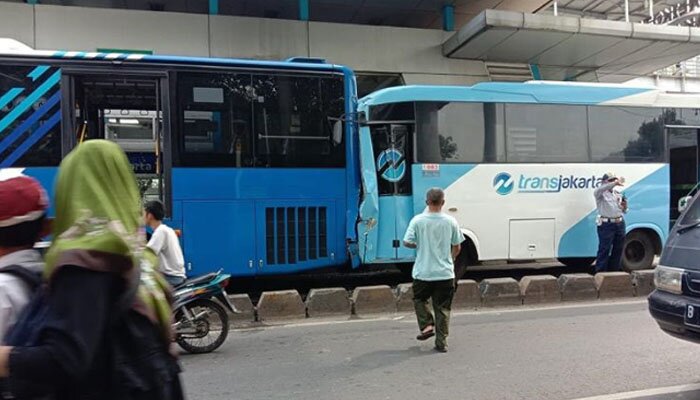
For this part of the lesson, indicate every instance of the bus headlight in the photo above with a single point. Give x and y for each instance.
(669, 279)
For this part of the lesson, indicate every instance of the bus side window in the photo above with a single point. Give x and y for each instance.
(459, 132)
(214, 112)
(293, 119)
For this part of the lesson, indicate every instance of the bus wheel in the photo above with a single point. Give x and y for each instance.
(638, 251)
(577, 262)
(467, 256)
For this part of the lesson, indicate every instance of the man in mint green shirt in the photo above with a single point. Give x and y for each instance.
(436, 238)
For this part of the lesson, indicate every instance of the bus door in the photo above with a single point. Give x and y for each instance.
(393, 155)
(127, 110)
(683, 160)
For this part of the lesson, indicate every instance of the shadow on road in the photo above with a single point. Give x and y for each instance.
(385, 358)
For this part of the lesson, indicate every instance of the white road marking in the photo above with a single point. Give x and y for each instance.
(587, 304)
(645, 393)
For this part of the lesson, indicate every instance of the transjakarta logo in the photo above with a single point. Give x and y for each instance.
(504, 183)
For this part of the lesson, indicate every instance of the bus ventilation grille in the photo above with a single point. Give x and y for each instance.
(295, 234)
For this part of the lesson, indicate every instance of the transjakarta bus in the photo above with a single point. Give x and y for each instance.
(249, 157)
(519, 163)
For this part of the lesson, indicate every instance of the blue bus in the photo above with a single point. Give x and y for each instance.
(254, 160)
(519, 163)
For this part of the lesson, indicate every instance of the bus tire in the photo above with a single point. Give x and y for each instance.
(467, 256)
(638, 251)
(577, 262)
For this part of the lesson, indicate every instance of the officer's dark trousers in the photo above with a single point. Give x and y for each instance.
(611, 238)
(441, 293)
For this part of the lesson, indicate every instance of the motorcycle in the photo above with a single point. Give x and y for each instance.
(201, 323)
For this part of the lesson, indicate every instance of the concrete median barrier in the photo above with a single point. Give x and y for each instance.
(643, 282)
(537, 289)
(404, 297)
(500, 292)
(577, 287)
(328, 302)
(281, 305)
(467, 295)
(244, 306)
(369, 300)
(613, 285)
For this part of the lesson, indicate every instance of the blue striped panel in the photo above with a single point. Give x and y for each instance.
(38, 71)
(34, 118)
(31, 99)
(6, 98)
(31, 140)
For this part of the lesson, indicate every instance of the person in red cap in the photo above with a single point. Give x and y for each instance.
(23, 205)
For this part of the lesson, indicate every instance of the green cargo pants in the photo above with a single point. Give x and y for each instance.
(441, 293)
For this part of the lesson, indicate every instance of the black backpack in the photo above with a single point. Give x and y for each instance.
(32, 279)
(132, 371)
(27, 330)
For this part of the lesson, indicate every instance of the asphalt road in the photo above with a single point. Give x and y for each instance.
(566, 352)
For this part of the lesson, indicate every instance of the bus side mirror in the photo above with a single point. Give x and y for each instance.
(338, 132)
(683, 203)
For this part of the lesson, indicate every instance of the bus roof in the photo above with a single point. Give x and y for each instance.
(13, 48)
(548, 92)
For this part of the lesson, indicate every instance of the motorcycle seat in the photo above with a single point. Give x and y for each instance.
(200, 280)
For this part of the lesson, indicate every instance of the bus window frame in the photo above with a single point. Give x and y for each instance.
(68, 74)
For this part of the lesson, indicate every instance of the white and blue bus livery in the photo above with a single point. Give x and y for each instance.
(519, 163)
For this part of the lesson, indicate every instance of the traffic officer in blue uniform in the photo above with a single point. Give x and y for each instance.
(612, 207)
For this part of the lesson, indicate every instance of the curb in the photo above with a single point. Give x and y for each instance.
(328, 302)
(368, 301)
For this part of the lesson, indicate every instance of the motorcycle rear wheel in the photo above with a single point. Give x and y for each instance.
(195, 343)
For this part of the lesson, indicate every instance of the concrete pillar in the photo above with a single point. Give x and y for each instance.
(213, 7)
(303, 10)
(448, 17)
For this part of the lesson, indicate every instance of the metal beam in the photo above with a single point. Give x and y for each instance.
(614, 6)
(213, 7)
(303, 10)
(580, 13)
(448, 17)
(593, 4)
